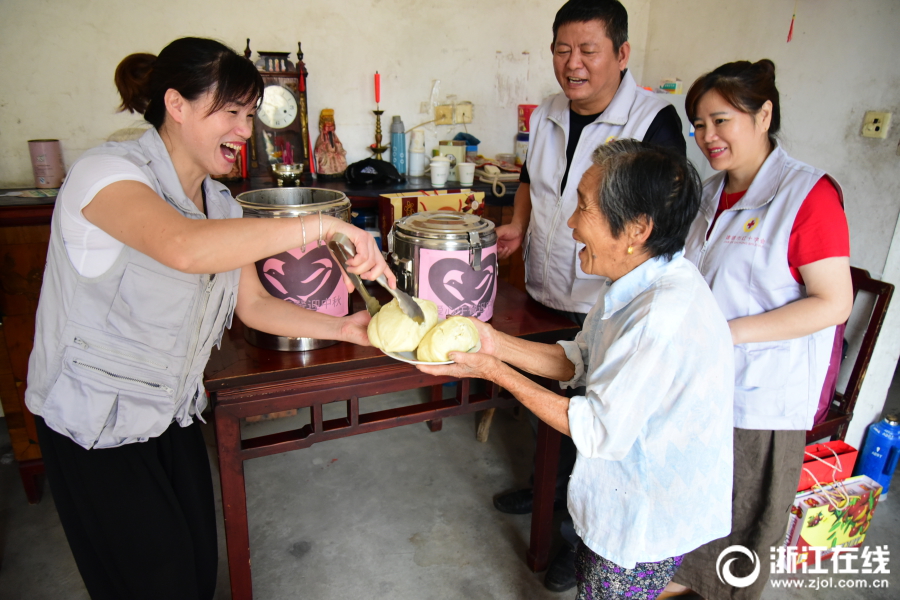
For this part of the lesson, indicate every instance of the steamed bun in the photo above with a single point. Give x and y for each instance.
(456, 334)
(392, 331)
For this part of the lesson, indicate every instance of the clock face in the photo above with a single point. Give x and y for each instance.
(278, 108)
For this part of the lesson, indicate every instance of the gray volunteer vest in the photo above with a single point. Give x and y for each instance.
(120, 356)
(553, 275)
(745, 263)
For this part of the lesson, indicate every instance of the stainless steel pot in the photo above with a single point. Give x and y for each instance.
(280, 203)
(449, 258)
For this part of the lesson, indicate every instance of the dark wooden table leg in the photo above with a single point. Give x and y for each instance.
(437, 394)
(30, 471)
(234, 503)
(546, 457)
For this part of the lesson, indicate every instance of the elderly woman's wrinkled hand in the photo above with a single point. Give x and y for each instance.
(477, 365)
(488, 336)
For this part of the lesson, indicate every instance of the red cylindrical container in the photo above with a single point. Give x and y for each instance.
(525, 111)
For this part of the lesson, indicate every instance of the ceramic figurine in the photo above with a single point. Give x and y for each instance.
(330, 154)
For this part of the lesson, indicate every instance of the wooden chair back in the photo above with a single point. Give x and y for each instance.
(841, 410)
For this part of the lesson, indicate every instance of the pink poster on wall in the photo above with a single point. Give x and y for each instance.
(309, 279)
(447, 279)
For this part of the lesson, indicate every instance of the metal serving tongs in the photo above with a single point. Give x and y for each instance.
(342, 248)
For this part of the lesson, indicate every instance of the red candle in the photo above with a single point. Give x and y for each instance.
(377, 88)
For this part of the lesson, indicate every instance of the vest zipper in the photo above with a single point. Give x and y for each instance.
(195, 338)
(549, 250)
(551, 232)
(159, 386)
(559, 205)
(708, 237)
(130, 356)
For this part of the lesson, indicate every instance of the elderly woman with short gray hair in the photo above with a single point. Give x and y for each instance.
(653, 431)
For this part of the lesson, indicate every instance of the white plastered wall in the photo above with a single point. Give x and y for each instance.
(842, 61)
(58, 60)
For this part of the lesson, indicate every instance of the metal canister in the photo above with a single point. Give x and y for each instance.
(449, 258)
(308, 276)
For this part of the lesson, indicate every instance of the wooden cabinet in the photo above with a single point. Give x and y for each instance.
(23, 252)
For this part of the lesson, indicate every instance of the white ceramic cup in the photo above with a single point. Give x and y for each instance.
(466, 172)
(440, 170)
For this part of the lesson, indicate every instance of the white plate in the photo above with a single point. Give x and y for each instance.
(410, 357)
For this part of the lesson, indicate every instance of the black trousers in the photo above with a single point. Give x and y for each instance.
(140, 518)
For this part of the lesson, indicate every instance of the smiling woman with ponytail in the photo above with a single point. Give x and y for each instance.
(148, 261)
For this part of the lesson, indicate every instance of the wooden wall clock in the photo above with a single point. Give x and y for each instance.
(281, 126)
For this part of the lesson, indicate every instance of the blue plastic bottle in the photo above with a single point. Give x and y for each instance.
(398, 145)
(880, 452)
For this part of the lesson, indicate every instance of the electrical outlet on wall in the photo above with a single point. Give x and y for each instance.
(463, 112)
(443, 115)
(876, 124)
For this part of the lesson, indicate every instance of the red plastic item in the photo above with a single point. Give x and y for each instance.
(826, 463)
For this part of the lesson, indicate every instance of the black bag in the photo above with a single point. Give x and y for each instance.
(370, 170)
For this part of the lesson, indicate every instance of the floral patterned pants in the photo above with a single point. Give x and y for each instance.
(601, 579)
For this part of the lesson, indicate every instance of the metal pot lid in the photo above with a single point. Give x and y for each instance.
(314, 199)
(444, 224)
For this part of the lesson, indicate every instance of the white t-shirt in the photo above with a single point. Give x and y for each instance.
(92, 250)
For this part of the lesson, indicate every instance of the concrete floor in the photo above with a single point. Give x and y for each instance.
(400, 514)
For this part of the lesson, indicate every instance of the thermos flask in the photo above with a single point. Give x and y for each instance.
(398, 145)
(417, 153)
(880, 452)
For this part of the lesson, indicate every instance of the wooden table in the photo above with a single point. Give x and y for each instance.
(24, 235)
(245, 381)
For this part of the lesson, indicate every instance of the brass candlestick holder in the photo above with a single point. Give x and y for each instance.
(377, 148)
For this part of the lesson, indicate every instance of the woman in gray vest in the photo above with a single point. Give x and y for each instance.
(772, 242)
(147, 262)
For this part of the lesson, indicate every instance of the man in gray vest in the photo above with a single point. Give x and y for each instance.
(600, 101)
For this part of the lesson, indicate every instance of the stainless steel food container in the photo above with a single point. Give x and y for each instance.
(292, 202)
(447, 257)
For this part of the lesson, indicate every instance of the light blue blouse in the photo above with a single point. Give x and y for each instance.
(654, 433)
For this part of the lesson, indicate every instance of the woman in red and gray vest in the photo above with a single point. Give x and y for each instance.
(772, 242)
(148, 261)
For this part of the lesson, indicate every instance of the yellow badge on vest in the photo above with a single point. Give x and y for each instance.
(751, 224)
